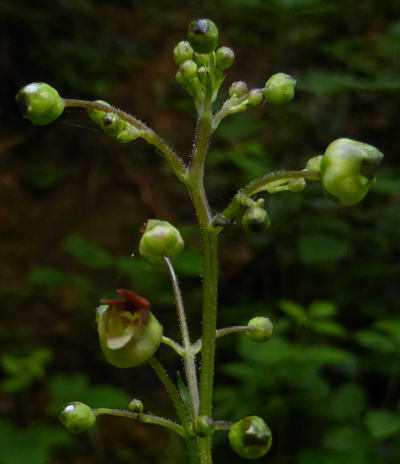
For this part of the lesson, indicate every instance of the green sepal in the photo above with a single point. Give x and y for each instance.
(97, 115)
(256, 219)
(40, 103)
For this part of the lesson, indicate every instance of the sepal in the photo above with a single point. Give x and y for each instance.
(250, 437)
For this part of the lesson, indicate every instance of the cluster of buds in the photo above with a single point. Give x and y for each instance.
(201, 64)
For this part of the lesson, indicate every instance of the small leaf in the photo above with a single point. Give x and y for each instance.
(328, 328)
(322, 308)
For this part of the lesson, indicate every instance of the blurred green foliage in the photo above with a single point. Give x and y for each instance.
(73, 202)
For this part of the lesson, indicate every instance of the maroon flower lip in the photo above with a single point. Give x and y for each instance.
(131, 302)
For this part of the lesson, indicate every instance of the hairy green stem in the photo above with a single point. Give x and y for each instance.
(209, 237)
(148, 134)
(189, 361)
(197, 347)
(172, 344)
(145, 418)
(259, 185)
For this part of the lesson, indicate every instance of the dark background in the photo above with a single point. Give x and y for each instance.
(73, 201)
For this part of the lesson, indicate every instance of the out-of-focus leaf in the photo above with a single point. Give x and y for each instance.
(320, 249)
(382, 423)
(322, 309)
(294, 310)
(347, 401)
(328, 328)
(375, 341)
(89, 253)
(29, 445)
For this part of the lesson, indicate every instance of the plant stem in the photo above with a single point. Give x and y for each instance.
(189, 361)
(148, 134)
(209, 236)
(172, 344)
(145, 418)
(179, 407)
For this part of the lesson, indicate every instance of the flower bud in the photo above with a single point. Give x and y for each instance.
(128, 133)
(97, 115)
(202, 74)
(296, 185)
(136, 406)
(202, 59)
(39, 103)
(203, 36)
(279, 89)
(348, 169)
(238, 89)
(129, 334)
(112, 124)
(182, 52)
(203, 426)
(264, 329)
(77, 417)
(314, 164)
(255, 97)
(250, 438)
(256, 219)
(224, 57)
(159, 239)
(188, 70)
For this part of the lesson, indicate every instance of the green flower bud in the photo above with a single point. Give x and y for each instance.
(97, 115)
(250, 438)
(182, 52)
(296, 185)
(159, 239)
(203, 36)
(202, 59)
(188, 70)
(255, 97)
(136, 406)
(203, 426)
(129, 334)
(348, 169)
(264, 329)
(112, 124)
(224, 57)
(128, 133)
(314, 164)
(39, 103)
(238, 89)
(256, 219)
(279, 89)
(77, 417)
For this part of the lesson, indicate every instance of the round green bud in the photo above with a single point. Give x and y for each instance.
(188, 70)
(128, 133)
(348, 170)
(263, 331)
(224, 57)
(182, 52)
(314, 164)
(77, 417)
(279, 89)
(112, 124)
(136, 406)
(296, 185)
(238, 89)
(97, 115)
(255, 97)
(159, 239)
(250, 438)
(39, 103)
(203, 35)
(129, 334)
(203, 426)
(256, 219)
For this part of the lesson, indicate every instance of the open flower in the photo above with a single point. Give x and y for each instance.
(129, 334)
